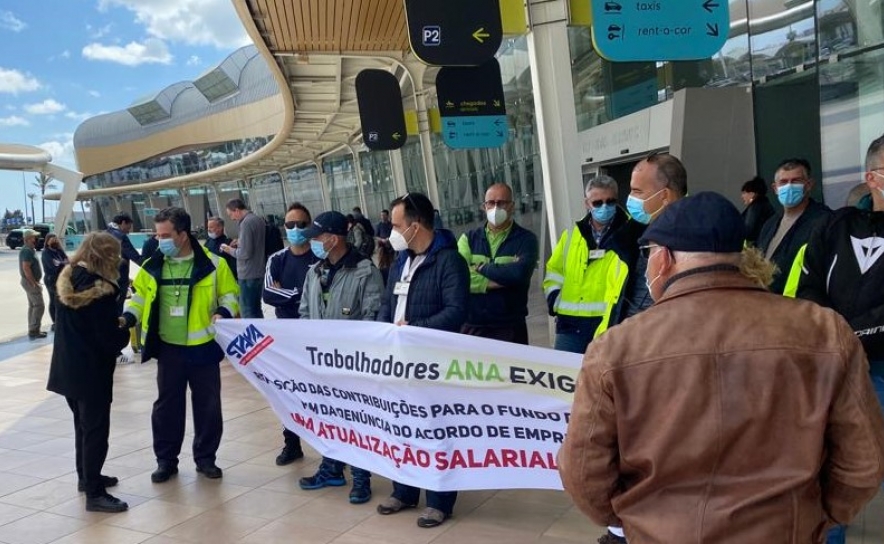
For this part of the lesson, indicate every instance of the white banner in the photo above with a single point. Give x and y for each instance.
(427, 408)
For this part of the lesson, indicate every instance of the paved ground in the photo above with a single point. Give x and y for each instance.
(256, 501)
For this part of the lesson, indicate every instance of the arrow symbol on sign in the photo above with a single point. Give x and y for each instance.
(708, 5)
(712, 30)
(496, 103)
(499, 134)
(479, 35)
(396, 136)
(497, 122)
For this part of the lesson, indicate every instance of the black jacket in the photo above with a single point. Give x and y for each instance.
(755, 216)
(54, 261)
(440, 287)
(130, 254)
(215, 247)
(290, 271)
(87, 336)
(844, 270)
(798, 235)
(509, 304)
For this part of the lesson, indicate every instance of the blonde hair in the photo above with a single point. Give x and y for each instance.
(100, 254)
(756, 267)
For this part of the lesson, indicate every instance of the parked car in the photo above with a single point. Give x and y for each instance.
(15, 238)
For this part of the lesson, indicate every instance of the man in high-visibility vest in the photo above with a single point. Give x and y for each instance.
(178, 295)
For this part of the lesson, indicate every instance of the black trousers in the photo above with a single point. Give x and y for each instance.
(440, 500)
(53, 295)
(91, 430)
(516, 333)
(174, 375)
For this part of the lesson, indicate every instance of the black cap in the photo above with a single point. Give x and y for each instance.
(702, 223)
(327, 222)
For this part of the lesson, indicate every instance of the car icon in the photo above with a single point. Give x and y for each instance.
(613, 6)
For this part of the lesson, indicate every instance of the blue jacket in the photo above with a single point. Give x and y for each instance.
(128, 251)
(512, 268)
(438, 297)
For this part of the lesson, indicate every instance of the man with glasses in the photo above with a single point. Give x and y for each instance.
(784, 234)
(501, 256)
(343, 284)
(283, 285)
(842, 271)
(589, 269)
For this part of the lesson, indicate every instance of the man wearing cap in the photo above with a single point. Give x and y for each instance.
(715, 415)
(344, 284)
(31, 273)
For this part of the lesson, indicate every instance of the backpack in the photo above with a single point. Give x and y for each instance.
(272, 240)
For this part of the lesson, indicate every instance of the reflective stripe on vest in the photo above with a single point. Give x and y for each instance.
(791, 289)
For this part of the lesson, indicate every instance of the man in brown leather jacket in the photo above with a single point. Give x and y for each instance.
(723, 413)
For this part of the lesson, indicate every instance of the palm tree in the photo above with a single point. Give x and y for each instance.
(33, 197)
(43, 182)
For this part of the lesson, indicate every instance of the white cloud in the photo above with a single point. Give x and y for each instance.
(66, 54)
(96, 33)
(151, 50)
(62, 151)
(78, 116)
(94, 94)
(10, 22)
(193, 22)
(14, 121)
(194, 60)
(14, 82)
(46, 107)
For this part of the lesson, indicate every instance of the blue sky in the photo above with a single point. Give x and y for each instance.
(64, 61)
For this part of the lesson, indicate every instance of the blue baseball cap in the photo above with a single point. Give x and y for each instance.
(703, 223)
(327, 222)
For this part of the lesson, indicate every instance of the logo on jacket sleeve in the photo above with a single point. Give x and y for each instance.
(248, 345)
(867, 251)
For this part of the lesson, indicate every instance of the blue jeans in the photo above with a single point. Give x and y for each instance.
(838, 535)
(250, 298)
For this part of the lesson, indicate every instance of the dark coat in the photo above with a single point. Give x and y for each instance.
(214, 245)
(128, 251)
(87, 336)
(755, 216)
(54, 261)
(438, 297)
(798, 235)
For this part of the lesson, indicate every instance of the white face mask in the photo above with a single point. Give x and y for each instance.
(213, 235)
(650, 283)
(496, 216)
(398, 241)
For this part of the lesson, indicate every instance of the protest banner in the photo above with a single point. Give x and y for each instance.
(427, 408)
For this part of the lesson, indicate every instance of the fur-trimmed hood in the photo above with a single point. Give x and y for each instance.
(78, 287)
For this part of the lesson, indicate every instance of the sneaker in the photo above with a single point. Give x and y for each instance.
(288, 455)
(431, 517)
(391, 505)
(106, 503)
(106, 481)
(163, 473)
(209, 470)
(322, 479)
(37, 335)
(611, 538)
(360, 492)
(126, 357)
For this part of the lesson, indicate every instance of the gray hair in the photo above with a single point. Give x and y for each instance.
(603, 181)
(875, 148)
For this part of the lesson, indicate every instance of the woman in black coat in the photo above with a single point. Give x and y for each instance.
(54, 260)
(758, 208)
(88, 338)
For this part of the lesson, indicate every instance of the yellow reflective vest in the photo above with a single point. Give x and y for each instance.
(589, 283)
(213, 290)
(791, 289)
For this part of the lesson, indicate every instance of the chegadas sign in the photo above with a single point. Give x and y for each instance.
(431, 409)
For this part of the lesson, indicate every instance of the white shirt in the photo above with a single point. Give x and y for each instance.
(407, 272)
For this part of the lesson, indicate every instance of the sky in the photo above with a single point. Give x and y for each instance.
(64, 61)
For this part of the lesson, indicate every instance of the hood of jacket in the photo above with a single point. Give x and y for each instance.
(78, 287)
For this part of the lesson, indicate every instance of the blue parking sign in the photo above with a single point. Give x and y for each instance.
(432, 36)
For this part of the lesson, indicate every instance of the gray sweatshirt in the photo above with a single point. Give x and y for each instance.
(250, 248)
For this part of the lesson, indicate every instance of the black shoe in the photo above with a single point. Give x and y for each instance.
(37, 335)
(163, 473)
(611, 538)
(106, 503)
(288, 455)
(209, 470)
(106, 481)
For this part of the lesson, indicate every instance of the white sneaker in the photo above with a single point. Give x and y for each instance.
(126, 357)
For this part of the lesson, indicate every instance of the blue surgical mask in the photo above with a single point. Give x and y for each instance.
(318, 249)
(168, 247)
(636, 208)
(295, 236)
(791, 194)
(604, 213)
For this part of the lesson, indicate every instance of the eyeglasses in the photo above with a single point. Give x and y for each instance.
(497, 203)
(646, 250)
(296, 224)
(598, 203)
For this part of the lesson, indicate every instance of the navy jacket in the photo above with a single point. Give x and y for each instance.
(814, 215)
(508, 305)
(290, 271)
(215, 247)
(438, 297)
(128, 251)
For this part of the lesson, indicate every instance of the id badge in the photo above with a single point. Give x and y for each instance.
(596, 254)
(401, 288)
(176, 311)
